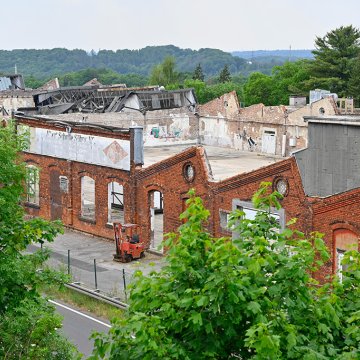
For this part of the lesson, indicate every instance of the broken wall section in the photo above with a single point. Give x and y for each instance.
(276, 130)
(161, 127)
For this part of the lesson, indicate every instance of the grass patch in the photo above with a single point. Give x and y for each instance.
(82, 302)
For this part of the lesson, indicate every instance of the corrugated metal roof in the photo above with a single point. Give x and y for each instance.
(5, 83)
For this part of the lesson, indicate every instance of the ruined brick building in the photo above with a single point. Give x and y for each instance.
(99, 155)
(278, 130)
(91, 173)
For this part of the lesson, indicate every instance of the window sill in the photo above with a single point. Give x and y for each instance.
(32, 205)
(90, 221)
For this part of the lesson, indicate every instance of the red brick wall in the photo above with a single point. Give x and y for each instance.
(341, 211)
(226, 105)
(243, 187)
(167, 177)
(71, 201)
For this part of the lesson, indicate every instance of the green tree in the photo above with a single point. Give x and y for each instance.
(335, 54)
(354, 81)
(225, 75)
(289, 79)
(250, 298)
(104, 76)
(27, 321)
(32, 82)
(198, 73)
(164, 73)
(259, 89)
(199, 88)
(205, 93)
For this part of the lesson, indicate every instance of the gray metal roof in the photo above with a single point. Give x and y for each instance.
(5, 83)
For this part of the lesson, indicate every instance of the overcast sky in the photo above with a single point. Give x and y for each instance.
(133, 24)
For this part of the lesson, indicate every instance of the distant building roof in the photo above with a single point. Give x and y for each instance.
(93, 82)
(11, 82)
(50, 85)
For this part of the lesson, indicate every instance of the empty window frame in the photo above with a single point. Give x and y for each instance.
(250, 212)
(340, 267)
(345, 240)
(224, 220)
(156, 202)
(115, 202)
(88, 198)
(32, 185)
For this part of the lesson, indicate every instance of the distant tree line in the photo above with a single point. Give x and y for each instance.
(46, 63)
(335, 67)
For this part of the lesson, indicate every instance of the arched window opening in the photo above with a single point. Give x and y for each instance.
(345, 240)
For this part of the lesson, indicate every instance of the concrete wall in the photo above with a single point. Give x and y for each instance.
(331, 163)
(90, 149)
(223, 123)
(161, 127)
(15, 100)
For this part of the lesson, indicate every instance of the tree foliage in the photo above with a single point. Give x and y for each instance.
(47, 63)
(288, 79)
(335, 67)
(165, 73)
(205, 93)
(198, 73)
(258, 89)
(250, 298)
(104, 76)
(335, 54)
(27, 322)
(225, 75)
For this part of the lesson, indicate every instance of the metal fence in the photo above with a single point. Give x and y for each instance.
(92, 275)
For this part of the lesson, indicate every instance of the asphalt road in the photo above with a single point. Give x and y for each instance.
(78, 326)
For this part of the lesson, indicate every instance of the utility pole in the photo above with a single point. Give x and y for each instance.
(290, 54)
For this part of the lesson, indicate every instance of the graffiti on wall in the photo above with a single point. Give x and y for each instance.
(160, 132)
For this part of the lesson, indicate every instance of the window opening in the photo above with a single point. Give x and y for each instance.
(224, 220)
(32, 185)
(115, 202)
(88, 198)
(156, 220)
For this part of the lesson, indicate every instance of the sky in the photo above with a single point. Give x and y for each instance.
(133, 24)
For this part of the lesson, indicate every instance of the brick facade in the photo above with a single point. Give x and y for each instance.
(326, 215)
(243, 186)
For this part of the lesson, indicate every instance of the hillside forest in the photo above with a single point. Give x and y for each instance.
(267, 77)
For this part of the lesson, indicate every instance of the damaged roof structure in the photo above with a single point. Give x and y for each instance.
(11, 82)
(90, 99)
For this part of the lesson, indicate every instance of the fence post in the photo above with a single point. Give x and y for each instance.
(96, 287)
(124, 279)
(68, 262)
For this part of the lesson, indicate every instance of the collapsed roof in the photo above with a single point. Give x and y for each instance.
(87, 99)
(11, 82)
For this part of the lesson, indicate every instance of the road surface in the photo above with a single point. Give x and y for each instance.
(78, 326)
